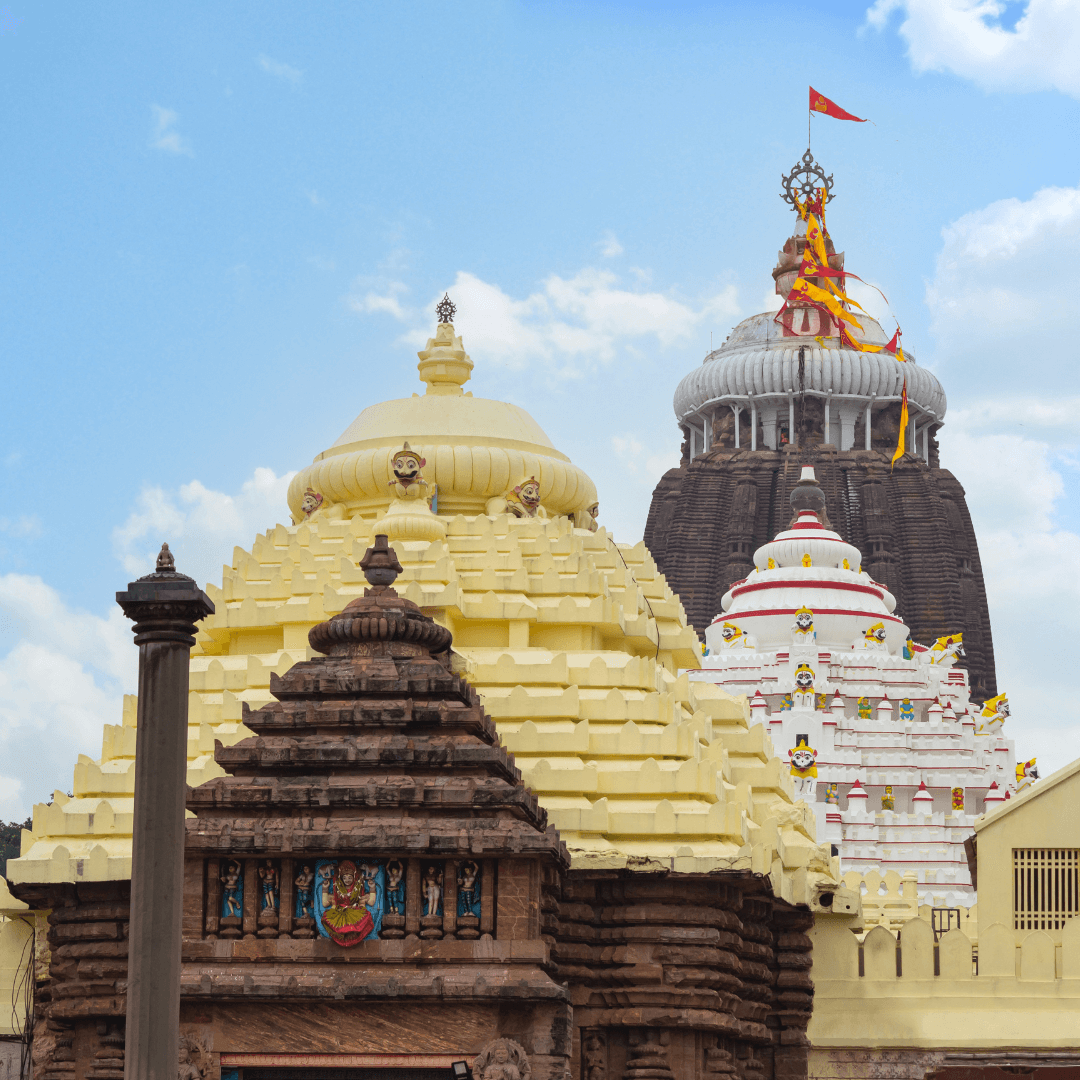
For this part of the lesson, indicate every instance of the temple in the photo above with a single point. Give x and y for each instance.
(881, 734)
(640, 859)
(797, 389)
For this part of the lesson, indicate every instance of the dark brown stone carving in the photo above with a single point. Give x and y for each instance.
(911, 524)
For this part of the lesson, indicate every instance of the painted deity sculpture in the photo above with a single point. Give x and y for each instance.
(945, 648)
(348, 900)
(587, 518)
(874, 637)
(803, 769)
(832, 793)
(907, 711)
(232, 896)
(887, 800)
(305, 885)
(866, 710)
(469, 889)
(803, 697)
(524, 500)
(958, 798)
(1026, 774)
(408, 482)
(802, 629)
(994, 713)
(735, 638)
(311, 502)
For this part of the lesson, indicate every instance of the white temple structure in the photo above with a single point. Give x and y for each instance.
(881, 735)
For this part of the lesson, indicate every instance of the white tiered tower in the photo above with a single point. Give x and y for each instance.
(905, 761)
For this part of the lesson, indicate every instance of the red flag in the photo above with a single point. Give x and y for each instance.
(820, 103)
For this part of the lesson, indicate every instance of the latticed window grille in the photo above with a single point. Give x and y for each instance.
(1046, 887)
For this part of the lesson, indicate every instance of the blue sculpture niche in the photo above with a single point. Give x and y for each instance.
(395, 888)
(350, 897)
(468, 882)
(305, 892)
(232, 893)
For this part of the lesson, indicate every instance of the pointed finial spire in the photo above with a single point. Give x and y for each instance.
(445, 309)
(380, 562)
(165, 560)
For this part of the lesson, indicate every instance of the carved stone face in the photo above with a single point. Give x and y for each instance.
(347, 878)
(804, 680)
(804, 620)
(878, 634)
(802, 758)
(501, 1054)
(728, 633)
(594, 510)
(406, 466)
(310, 502)
(530, 493)
(1004, 709)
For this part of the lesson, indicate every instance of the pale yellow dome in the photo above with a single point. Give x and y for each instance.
(475, 449)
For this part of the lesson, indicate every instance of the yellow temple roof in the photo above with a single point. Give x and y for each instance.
(574, 642)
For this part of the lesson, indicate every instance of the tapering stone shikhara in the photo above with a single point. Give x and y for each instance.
(778, 395)
(373, 811)
(882, 737)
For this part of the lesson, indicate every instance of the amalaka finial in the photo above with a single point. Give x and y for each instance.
(804, 180)
(165, 560)
(445, 309)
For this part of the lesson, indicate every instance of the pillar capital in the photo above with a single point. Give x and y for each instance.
(165, 605)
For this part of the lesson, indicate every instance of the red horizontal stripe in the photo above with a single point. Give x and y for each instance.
(791, 611)
(849, 586)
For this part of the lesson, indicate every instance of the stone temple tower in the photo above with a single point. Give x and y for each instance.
(785, 391)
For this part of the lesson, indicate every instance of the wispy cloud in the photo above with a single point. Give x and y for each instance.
(967, 38)
(292, 75)
(164, 135)
(200, 524)
(609, 245)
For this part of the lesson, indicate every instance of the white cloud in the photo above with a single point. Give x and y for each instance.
(385, 301)
(201, 526)
(22, 526)
(62, 676)
(164, 136)
(609, 246)
(569, 324)
(1031, 562)
(967, 38)
(1003, 294)
(292, 75)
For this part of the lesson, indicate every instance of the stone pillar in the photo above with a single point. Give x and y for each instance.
(165, 606)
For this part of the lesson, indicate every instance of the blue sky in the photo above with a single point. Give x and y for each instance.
(223, 229)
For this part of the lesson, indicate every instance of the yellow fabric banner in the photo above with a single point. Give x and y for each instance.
(903, 427)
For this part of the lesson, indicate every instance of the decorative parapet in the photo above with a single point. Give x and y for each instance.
(1019, 991)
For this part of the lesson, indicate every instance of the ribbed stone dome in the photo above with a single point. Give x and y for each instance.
(758, 361)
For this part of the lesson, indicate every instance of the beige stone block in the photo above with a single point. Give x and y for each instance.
(997, 952)
(1037, 959)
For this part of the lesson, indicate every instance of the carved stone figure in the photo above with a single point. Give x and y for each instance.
(866, 710)
(734, 637)
(469, 889)
(502, 1059)
(311, 502)
(803, 767)
(432, 890)
(802, 629)
(408, 482)
(395, 888)
(194, 1059)
(268, 879)
(232, 898)
(958, 798)
(832, 794)
(305, 882)
(887, 800)
(594, 1056)
(874, 638)
(907, 711)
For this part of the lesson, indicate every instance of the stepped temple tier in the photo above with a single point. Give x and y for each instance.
(807, 387)
(455, 796)
(881, 734)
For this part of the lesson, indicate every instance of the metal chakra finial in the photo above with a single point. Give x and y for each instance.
(445, 309)
(165, 560)
(804, 180)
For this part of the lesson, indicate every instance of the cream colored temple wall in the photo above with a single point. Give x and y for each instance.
(574, 642)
